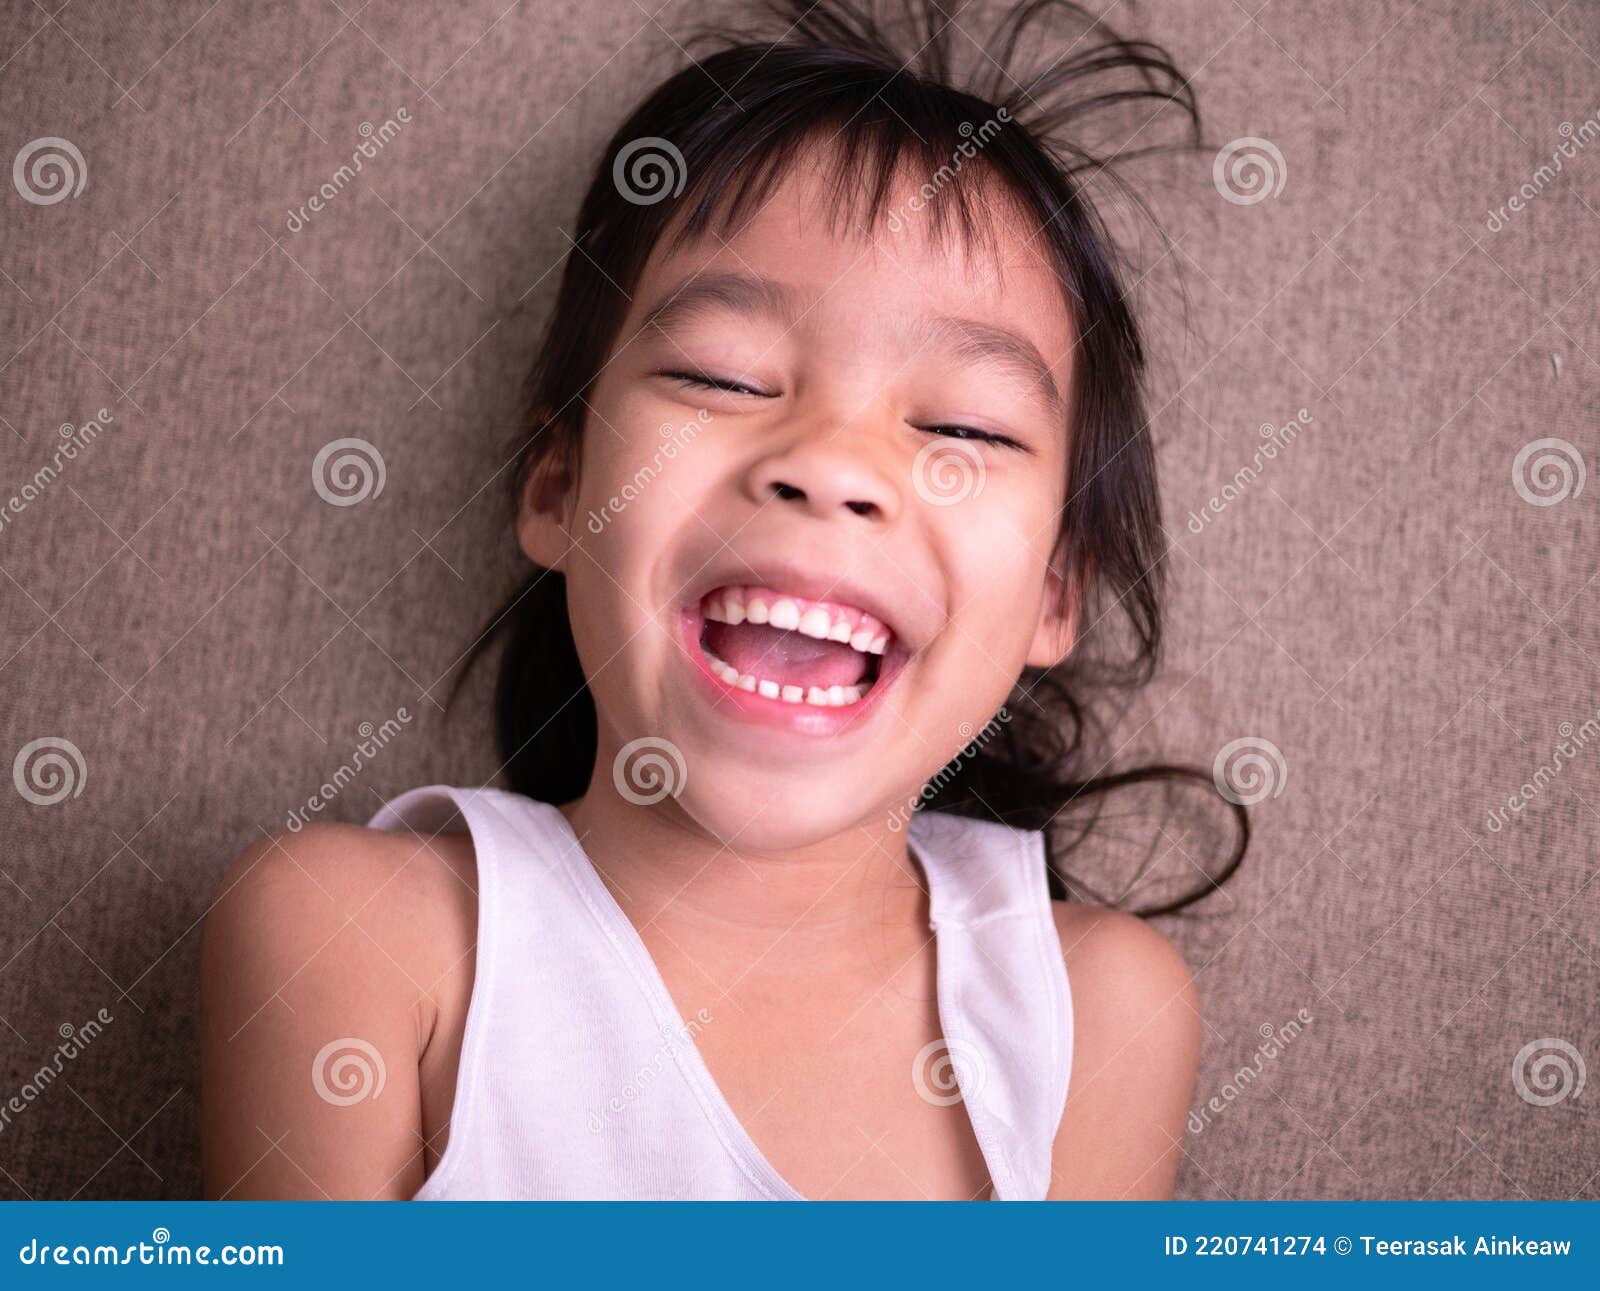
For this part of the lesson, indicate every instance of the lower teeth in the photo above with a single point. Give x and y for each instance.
(831, 697)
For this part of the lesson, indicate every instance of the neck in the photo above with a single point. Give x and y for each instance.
(664, 868)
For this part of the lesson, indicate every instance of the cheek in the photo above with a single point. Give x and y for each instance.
(636, 496)
(999, 556)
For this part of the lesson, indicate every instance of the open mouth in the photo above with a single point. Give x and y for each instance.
(791, 648)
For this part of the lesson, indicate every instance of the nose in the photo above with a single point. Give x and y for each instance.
(824, 475)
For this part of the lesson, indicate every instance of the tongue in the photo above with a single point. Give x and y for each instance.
(788, 658)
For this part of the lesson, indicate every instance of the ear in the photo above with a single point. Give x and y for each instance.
(543, 514)
(1057, 629)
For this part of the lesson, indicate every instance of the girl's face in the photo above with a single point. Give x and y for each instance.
(808, 552)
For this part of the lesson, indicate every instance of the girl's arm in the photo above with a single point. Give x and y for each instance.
(319, 961)
(1136, 1044)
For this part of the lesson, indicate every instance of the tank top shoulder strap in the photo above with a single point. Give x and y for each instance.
(523, 896)
(1004, 1001)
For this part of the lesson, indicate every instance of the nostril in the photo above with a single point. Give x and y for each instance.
(868, 509)
(787, 492)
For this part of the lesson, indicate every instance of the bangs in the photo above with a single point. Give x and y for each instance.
(882, 141)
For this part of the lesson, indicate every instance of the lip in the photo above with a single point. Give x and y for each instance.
(811, 585)
(776, 714)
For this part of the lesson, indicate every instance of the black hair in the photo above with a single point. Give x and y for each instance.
(884, 94)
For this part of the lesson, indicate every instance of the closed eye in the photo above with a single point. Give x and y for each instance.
(705, 381)
(947, 431)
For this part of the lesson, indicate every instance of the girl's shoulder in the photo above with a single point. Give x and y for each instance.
(410, 893)
(1119, 951)
(1136, 1045)
(335, 964)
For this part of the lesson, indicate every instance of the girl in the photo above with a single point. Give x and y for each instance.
(837, 452)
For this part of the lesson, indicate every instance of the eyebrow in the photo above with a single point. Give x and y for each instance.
(741, 293)
(751, 294)
(984, 342)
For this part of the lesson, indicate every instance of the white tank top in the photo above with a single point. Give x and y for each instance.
(580, 1081)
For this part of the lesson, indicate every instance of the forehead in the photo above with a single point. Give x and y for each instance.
(909, 258)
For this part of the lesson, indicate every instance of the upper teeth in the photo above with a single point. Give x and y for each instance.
(856, 628)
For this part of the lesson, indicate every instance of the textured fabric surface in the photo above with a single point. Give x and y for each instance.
(1396, 606)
